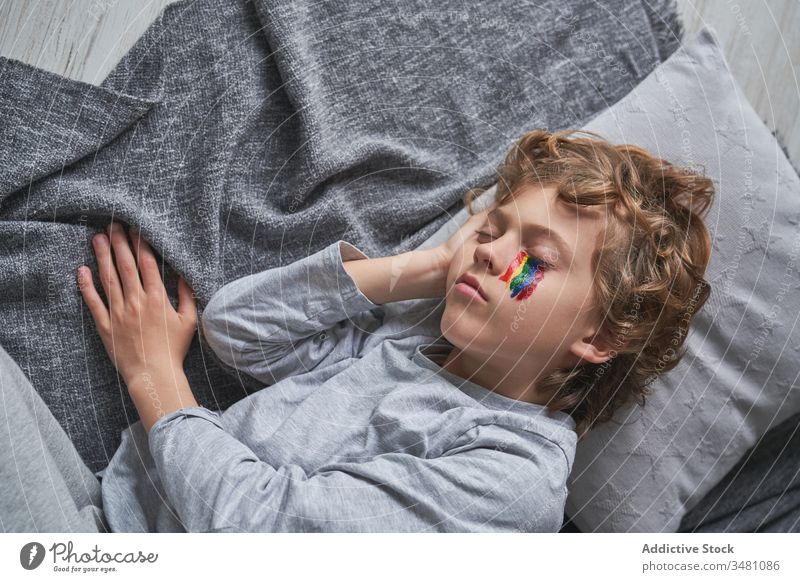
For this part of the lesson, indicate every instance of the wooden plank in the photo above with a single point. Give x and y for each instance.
(80, 39)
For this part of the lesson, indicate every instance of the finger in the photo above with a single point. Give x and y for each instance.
(148, 266)
(107, 271)
(187, 305)
(126, 264)
(96, 306)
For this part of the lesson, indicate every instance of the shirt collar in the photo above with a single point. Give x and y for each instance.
(432, 355)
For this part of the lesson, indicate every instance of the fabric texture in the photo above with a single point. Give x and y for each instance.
(44, 484)
(761, 493)
(243, 135)
(737, 378)
(359, 429)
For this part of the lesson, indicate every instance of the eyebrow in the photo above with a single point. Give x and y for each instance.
(540, 229)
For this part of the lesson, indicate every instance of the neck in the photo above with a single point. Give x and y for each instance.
(486, 373)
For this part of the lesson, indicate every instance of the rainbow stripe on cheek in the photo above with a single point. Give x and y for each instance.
(523, 275)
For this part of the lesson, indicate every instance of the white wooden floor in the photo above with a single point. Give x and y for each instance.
(84, 39)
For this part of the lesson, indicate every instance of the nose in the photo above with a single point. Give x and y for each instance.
(494, 254)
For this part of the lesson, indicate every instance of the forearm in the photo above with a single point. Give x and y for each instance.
(417, 274)
(158, 393)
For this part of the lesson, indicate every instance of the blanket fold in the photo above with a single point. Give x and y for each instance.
(42, 100)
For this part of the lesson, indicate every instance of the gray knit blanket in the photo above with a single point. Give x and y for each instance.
(243, 135)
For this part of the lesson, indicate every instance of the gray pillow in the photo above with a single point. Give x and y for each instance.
(645, 469)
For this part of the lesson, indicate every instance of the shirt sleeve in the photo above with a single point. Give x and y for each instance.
(293, 318)
(485, 483)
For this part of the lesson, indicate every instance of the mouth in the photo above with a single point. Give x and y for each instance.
(469, 286)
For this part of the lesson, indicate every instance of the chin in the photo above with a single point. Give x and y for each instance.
(455, 326)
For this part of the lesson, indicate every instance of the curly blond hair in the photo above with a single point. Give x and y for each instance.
(649, 261)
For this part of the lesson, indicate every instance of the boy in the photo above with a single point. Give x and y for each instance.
(393, 409)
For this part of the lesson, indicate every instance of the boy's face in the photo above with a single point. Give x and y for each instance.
(550, 320)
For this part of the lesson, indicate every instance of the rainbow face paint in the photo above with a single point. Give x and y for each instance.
(523, 275)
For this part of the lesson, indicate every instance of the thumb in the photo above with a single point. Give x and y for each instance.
(187, 305)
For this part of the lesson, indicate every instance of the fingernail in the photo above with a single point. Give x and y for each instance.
(99, 239)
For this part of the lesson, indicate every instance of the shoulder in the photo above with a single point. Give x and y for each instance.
(544, 442)
(521, 473)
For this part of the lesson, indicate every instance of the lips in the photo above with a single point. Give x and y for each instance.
(472, 281)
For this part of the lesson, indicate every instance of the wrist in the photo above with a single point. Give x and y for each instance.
(163, 376)
(156, 394)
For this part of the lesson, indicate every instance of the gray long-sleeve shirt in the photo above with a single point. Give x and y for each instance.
(358, 428)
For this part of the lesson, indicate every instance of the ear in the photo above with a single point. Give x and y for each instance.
(595, 348)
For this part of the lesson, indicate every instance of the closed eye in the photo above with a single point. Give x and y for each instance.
(544, 264)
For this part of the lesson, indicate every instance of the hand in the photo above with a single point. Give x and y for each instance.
(141, 331)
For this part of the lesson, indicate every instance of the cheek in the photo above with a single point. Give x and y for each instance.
(550, 314)
(535, 303)
(533, 325)
(522, 277)
(458, 262)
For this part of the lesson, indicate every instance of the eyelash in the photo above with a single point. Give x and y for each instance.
(544, 263)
